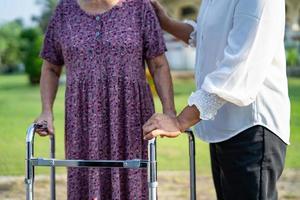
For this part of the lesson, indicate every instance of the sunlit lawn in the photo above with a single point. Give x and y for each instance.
(20, 105)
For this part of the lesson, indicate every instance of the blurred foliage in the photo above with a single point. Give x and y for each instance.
(21, 46)
(48, 7)
(10, 43)
(292, 57)
(32, 42)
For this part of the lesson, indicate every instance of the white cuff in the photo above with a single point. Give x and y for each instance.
(208, 104)
(193, 35)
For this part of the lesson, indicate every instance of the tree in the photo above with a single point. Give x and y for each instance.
(33, 39)
(10, 43)
(48, 7)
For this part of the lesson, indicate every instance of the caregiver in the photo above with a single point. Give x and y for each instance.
(242, 95)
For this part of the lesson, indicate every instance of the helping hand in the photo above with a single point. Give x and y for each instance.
(161, 125)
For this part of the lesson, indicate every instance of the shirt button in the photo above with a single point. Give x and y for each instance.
(97, 18)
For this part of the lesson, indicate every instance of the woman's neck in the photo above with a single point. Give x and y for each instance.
(108, 3)
(96, 6)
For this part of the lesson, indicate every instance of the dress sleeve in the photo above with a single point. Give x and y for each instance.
(51, 50)
(153, 40)
(257, 32)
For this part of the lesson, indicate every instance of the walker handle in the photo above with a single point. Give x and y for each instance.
(29, 179)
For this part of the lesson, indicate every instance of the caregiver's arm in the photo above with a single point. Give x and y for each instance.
(179, 29)
(258, 29)
(48, 89)
(160, 71)
(202, 106)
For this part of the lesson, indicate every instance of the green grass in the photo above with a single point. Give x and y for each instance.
(293, 156)
(20, 105)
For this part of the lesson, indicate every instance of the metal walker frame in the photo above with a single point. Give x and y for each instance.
(150, 165)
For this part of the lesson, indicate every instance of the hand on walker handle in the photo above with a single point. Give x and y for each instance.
(161, 125)
(44, 124)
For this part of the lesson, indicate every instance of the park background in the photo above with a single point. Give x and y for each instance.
(22, 24)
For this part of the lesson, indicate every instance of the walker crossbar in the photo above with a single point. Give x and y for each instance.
(150, 164)
(134, 164)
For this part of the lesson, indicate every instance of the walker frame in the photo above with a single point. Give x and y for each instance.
(150, 165)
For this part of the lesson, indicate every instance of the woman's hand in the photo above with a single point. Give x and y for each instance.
(45, 124)
(161, 13)
(161, 125)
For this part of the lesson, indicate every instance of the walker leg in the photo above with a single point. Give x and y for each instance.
(52, 173)
(31, 162)
(192, 154)
(152, 170)
(29, 179)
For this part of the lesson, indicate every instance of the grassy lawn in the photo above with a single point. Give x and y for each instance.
(20, 105)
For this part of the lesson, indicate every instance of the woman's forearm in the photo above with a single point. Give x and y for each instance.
(164, 87)
(160, 71)
(49, 85)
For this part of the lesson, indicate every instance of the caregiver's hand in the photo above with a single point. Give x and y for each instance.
(167, 126)
(45, 124)
(161, 125)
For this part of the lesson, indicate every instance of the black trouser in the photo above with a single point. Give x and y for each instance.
(247, 166)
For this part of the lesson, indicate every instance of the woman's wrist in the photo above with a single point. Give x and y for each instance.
(48, 113)
(170, 112)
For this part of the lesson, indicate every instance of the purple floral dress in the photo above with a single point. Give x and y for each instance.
(107, 96)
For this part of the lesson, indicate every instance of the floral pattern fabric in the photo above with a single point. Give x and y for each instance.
(107, 97)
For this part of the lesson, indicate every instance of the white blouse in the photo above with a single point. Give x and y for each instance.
(240, 68)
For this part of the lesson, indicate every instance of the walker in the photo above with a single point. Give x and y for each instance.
(150, 165)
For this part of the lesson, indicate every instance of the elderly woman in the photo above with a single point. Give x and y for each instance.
(241, 106)
(104, 45)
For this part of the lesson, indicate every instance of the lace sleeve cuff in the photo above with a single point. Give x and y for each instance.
(193, 35)
(208, 104)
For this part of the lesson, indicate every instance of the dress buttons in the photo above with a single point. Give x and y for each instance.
(97, 18)
(98, 34)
